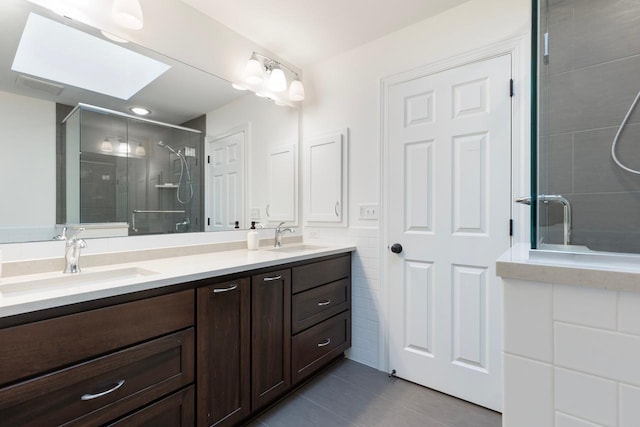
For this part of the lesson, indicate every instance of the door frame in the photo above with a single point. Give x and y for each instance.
(246, 167)
(518, 48)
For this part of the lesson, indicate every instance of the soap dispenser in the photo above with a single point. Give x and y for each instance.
(252, 237)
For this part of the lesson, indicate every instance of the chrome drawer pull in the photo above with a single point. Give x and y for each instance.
(104, 393)
(325, 343)
(230, 288)
(323, 303)
(270, 279)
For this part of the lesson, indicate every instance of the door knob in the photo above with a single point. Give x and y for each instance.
(396, 248)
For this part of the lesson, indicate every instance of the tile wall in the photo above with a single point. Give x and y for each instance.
(588, 85)
(571, 356)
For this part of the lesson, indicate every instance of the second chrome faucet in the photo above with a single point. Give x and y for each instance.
(279, 231)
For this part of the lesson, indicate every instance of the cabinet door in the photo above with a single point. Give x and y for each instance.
(270, 336)
(325, 179)
(223, 353)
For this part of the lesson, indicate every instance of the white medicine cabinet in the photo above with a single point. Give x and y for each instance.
(325, 163)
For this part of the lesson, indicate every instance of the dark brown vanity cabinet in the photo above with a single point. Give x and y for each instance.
(224, 359)
(270, 336)
(96, 366)
(321, 327)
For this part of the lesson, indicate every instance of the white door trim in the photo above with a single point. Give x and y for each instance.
(518, 48)
(246, 167)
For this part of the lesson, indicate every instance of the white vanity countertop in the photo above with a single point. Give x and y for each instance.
(37, 292)
(618, 272)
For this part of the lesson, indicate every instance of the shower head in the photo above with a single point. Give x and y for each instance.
(168, 147)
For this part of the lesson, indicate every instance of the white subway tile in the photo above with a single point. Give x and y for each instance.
(528, 393)
(587, 397)
(611, 355)
(629, 313)
(585, 306)
(629, 406)
(564, 420)
(528, 323)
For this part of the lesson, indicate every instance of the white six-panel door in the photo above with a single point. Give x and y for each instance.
(226, 182)
(449, 207)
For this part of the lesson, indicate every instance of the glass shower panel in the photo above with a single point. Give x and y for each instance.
(588, 60)
(104, 155)
(144, 175)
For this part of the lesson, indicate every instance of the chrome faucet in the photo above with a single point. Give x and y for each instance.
(72, 253)
(185, 223)
(554, 198)
(279, 231)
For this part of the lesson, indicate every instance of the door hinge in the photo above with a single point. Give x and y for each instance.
(510, 227)
(511, 91)
(208, 221)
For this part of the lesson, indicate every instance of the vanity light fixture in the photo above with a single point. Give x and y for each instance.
(140, 111)
(253, 73)
(277, 80)
(127, 14)
(106, 146)
(140, 151)
(266, 76)
(124, 148)
(296, 90)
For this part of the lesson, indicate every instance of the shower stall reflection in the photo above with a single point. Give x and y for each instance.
(132, 174)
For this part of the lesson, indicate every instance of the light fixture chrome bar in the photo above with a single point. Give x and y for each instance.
(280, 64)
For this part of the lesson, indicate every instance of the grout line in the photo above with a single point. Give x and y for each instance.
(298, 395)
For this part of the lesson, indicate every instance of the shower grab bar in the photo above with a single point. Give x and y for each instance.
(138, 211)
(555, 198)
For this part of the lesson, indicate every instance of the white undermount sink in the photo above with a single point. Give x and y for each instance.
(65, 281)
(297, 248)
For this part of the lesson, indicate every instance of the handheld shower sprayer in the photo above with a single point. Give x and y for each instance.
(183, 166)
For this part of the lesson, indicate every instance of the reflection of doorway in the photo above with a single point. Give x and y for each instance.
(225, 180)
(97, 189)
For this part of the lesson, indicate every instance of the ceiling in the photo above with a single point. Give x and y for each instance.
(305, 32)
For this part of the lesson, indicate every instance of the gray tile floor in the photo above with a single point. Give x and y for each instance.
(352, 394)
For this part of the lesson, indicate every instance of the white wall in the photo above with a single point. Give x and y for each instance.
(344, 91)
(28, 174)
(269, 126)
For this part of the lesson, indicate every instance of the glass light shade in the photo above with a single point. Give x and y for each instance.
(124, 148)
(140, 151)
(106, 146)
(277, 80)
(296, 91)
(253, 72)
(128, 14)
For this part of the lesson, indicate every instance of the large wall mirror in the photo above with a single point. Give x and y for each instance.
(73, 151)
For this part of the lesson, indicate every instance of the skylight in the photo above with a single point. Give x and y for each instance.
(63, 54)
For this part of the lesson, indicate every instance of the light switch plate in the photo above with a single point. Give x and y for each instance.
(368, 212)
(255, 214)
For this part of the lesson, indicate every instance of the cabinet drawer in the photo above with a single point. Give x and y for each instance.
(315, 305)
(320, 273)
(102, 389)
(316, 346)
(175, 410)
(38, 347)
